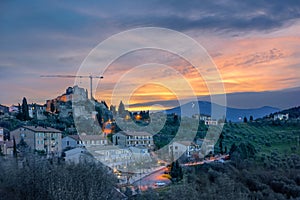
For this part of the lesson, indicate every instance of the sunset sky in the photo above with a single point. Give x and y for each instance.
(254, 44)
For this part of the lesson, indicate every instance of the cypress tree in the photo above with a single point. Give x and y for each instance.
(25, 110)
(14, 147)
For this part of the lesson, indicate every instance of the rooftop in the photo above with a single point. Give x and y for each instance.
(42, 129)
(87, 137)
(185, 143)
(135, 133)
(98, 149)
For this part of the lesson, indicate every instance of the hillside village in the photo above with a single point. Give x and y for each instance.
(72, 128)
(71, 120)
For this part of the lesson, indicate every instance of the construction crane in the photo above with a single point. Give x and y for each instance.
(76, 76)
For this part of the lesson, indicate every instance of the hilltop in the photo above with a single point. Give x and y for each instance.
(232, 114)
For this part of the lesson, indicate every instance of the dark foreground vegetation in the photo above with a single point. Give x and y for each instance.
(38, 178)
(245, 176)
(264, 164)
(237, 179)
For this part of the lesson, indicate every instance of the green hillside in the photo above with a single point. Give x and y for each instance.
(268, 140)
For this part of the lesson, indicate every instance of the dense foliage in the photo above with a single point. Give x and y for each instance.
(37, 178)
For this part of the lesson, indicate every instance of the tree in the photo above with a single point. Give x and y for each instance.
(37, 178)
(232, 149)
(245, 120)
(176, 171)
(251, 118)
(25, 110)
(221, 143)
(23, 146)
(1, 153)
(14, 147)
(245, 150)
(52, 107)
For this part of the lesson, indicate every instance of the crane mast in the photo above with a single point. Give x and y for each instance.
(76, 76)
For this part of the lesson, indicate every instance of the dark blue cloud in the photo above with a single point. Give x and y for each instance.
(54, 36)
(218, 15)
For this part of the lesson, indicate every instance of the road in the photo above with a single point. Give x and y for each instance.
(159, 176)
(222, 157)
(149, 181)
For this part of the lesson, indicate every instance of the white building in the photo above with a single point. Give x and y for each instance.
(7, 147)
(191, 149)
(281, 116)
(112, 156)
(186, 148)
(129, 139)
(13, 109)
(210, 121)
(72, 141)
(140, 153)
(74, 155)
(1, 134)
(6, 144)
(201, 117)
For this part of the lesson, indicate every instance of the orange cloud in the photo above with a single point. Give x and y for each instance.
(255, 63)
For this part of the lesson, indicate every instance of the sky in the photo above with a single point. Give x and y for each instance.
(253, 43)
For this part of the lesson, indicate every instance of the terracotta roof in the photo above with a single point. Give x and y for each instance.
(135, 133)
(42, 129)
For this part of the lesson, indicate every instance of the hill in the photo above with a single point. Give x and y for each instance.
(282, 99)
(294, 113)
(233, 114)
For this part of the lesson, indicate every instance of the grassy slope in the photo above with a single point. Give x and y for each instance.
(267, 139)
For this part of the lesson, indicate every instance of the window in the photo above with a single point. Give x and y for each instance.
(176, 147)
(68, 143)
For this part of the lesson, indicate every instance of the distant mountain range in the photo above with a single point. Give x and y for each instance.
(233, 114)
(257, 104)
(282, 99)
